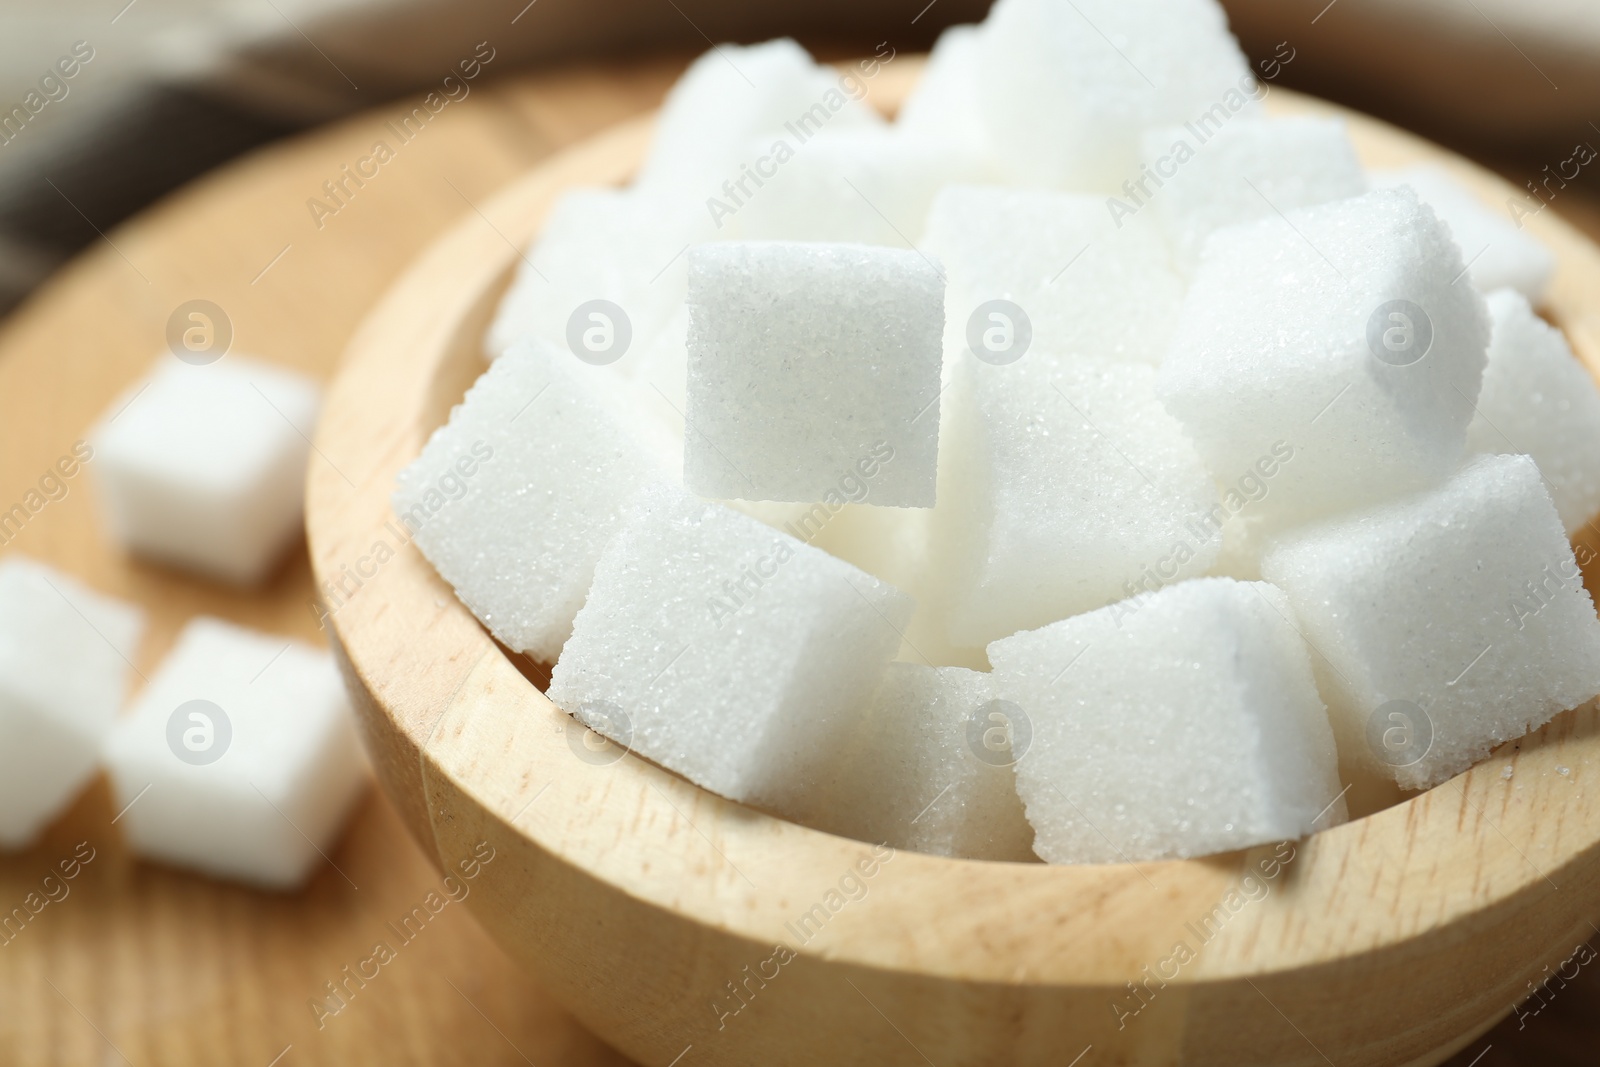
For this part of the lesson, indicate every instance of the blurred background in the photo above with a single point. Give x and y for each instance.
(165, 92)
(176, 87)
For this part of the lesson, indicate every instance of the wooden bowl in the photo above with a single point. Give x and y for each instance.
(684, 928)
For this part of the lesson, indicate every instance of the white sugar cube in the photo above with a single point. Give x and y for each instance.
(1538, 400)
(808, 361)
(1198, 183)
(618, 246)
(1181, 724)
(1064, 487)
(65, 654)
(700, 644)
(1082, 285)
(1067, 88)
(944, 103)
(929, 770)
(732, 93)
(203, 467)
(239, 759)
(868, 185)
(1501, 253)
(514, 498)
(1449, 621)
(1339, 332)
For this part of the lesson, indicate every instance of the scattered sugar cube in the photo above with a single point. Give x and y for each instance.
(240, 758)
(1502, 255)
(514, 498)
(944, 103)
(869, 185)
(1337, 331)
(706, 632)
(1082, 285)
(731, 94)
(614, 245)
(929, 770)
(1460, 610)
(203, 467)
(1539, 400)
(1247, 170)
(1067, 88)
(808, 362)
(65, 654)
(1064, 487)
(1181, 724)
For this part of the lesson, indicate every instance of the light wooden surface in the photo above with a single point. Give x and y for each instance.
(640, 899)
(148, 966)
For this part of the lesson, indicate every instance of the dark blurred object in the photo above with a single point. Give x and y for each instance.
(1499, 76)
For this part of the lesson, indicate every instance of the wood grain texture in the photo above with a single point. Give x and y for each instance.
(653, 909)
(146, 965)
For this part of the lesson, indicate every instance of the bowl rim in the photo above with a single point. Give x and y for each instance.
(441, 702)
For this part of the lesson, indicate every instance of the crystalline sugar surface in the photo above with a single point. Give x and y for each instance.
(1184, 724)
(808, 362)
(1459, 609)
(726, 651)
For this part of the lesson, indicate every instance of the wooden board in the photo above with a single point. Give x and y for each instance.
(144, 965)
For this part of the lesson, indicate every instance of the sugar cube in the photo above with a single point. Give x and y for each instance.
(601, 247)
(726, 651)
(65, 654)
(1538, 400)
(1184, 723)
(1336, 332)
(1075, 282)
(202, 467)
(944, 103)
(1064, 487)
(808, 362)
(1500, 252)
(240, 757)
(929, 770)
(513, 499)
(1067, 88)
(732, 93)
(1448, 621)
(868, 185)
(1249, 169)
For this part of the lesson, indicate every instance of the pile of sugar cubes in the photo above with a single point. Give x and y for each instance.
(1084, 466)
(238, 755)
